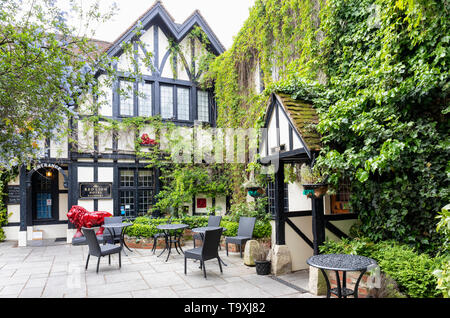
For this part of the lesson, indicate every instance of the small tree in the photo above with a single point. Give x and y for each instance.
(45, 69)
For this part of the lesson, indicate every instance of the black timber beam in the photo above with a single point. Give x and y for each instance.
(300, 233)
(336, 231)
(280, 236)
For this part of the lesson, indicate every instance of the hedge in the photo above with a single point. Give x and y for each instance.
(144, 227)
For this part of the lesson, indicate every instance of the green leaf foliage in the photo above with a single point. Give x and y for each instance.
(378, 73)
(413, 271)
(144, 227)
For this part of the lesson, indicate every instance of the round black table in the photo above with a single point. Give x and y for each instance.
(170, 232)
(344, 263)
(110, 227)
(202, 230)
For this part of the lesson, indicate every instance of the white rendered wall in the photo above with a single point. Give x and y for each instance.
(106, 174)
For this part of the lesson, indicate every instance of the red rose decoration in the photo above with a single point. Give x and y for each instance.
(146, 140)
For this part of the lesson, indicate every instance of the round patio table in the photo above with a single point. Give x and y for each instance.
(344, 263)
(110, 227)
(202, 230)
(170, 232)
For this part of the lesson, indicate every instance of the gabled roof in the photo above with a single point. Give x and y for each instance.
(304, 117)
(177, 31)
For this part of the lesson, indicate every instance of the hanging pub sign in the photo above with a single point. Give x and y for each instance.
(95, 190)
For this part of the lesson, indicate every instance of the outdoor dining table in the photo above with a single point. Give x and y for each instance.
(170, 232)
(344, 263)
(110, 227)
(202, 230)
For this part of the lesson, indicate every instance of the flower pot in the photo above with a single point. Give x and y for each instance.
(262, 267)
(317, 190)
(255, 192)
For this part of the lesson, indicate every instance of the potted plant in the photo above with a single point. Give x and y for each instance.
(254, 189)
(313, 182)
(262, 264)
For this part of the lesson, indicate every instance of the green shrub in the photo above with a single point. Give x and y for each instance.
(146, 227)
(443, 273)
(412, 271)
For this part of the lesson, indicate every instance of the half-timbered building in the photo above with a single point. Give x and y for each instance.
(301, 224)
(99, 169)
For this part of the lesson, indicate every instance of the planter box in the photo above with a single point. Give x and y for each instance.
(146, 243)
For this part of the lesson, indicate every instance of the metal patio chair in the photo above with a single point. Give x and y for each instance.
(98, 250)
(245, 233)
(209, 250)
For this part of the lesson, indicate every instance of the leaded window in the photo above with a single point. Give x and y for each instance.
(183, 103)
(166, 102)
(202, 106)
(271, 197)
(126, 99)
(126, 178)
(136, 191)
(145, 99)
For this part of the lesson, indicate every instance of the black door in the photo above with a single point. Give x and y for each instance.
(45, 195)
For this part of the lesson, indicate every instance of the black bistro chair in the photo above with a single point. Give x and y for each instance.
(116, 232)
(209, 250)
(213, 220)
(98, 250)
(245, 233)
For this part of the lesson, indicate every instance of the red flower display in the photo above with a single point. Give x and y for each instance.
(80, 217)
(146, 140)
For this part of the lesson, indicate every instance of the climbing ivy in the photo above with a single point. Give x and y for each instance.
(377, 71)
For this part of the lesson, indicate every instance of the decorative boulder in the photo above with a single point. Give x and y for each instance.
(281, 260)
(250, 252)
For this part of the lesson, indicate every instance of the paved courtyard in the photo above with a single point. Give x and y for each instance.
(55, 270)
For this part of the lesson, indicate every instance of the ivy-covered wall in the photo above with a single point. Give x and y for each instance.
(378, 73)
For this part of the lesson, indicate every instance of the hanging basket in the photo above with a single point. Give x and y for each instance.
(255, 192)
(316, 190)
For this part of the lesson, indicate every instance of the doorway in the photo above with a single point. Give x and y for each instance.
(44, 195)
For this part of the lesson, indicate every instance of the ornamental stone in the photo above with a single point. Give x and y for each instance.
(281, 260)
(250, 252)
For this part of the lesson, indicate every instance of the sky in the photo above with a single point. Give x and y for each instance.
(224, 17)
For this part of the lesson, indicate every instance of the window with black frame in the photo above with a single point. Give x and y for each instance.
(136, 191)
(271, 197)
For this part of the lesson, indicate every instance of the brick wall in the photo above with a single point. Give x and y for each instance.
(352, 277)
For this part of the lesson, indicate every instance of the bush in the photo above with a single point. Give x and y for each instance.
(146, 227)
(412, 271)
(443, 273)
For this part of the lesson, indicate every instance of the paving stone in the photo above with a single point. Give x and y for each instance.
(32, 292)
(205, 292)
(59, 271)
(165, 292)
(12, 290)
(106, 289)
